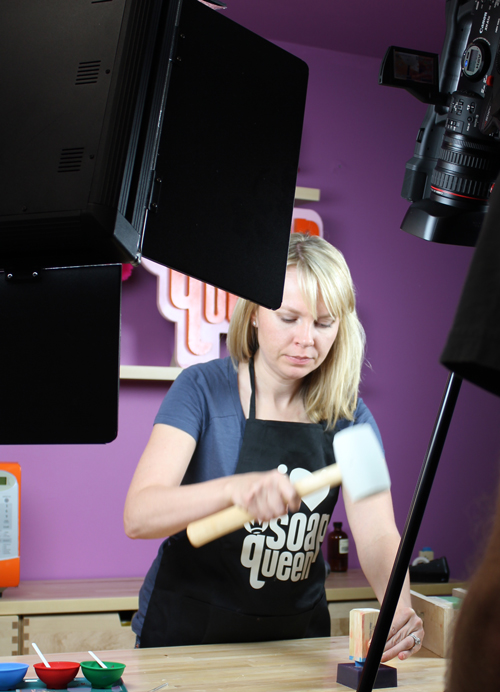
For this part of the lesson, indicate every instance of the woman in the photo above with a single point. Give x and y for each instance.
(239, 431)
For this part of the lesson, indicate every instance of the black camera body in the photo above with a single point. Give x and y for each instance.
(457, 154)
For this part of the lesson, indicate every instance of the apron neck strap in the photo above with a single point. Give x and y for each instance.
(251, 370)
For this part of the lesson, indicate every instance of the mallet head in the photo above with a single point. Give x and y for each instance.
(362, 461)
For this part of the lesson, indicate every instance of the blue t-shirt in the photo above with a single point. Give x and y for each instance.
(204, 402)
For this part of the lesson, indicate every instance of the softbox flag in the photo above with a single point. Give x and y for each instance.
(473, 347)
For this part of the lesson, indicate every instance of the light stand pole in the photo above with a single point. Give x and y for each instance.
(407, 544)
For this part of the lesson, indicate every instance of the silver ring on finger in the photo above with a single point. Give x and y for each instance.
(417, 640)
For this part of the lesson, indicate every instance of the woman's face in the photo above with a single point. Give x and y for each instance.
(291, 342)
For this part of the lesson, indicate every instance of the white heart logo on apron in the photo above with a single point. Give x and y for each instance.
(313, 499)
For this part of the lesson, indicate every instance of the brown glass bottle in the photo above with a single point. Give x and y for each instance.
(338, 548)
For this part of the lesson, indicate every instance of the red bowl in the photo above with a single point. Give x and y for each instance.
(58, 675)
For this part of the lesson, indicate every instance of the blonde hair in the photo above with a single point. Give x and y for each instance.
(331, 391)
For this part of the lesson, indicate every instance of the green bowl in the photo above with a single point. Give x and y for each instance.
(102, 677)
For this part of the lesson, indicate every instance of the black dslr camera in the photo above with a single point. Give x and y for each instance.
(457, 154)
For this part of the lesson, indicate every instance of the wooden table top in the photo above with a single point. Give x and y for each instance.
(301, 665)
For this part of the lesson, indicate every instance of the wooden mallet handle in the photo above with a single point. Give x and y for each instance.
(221, 523)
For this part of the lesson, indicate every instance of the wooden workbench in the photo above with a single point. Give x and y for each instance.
(303, 665)
(348, 590)
(75, 614)
(68, 615)
(114, 595)
(353, 586)
(71, 596)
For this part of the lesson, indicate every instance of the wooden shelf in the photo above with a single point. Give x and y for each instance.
(307, 194)
(148, 372)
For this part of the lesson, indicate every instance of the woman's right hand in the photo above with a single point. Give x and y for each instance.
(265, 495)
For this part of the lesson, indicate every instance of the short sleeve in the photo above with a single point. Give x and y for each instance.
(362, 414)
(184, 406)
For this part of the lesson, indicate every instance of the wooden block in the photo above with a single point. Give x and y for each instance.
(65, 633)
(9, 635)
(439, 617)
(459, 593)
(339, 615)
(362, 622)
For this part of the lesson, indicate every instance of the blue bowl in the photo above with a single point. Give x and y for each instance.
(11, 675)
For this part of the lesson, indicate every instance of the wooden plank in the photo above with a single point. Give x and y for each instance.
(362, 623)
(306, 665)
(307, 194)
(439, 617)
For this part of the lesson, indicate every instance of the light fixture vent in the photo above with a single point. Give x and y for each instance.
(71, 160)
(88, 72)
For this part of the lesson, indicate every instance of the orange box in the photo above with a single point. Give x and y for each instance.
(10, 523)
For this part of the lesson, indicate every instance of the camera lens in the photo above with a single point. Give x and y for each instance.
(465, 171)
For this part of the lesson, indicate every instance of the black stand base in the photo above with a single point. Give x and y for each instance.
(349, 674)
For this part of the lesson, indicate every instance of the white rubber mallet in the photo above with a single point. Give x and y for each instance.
(360, 468)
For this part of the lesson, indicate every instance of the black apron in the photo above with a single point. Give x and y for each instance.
(260, 583)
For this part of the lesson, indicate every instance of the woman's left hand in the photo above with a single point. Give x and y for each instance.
(405, 636)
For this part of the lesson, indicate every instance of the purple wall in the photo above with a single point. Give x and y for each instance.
(357, 138)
